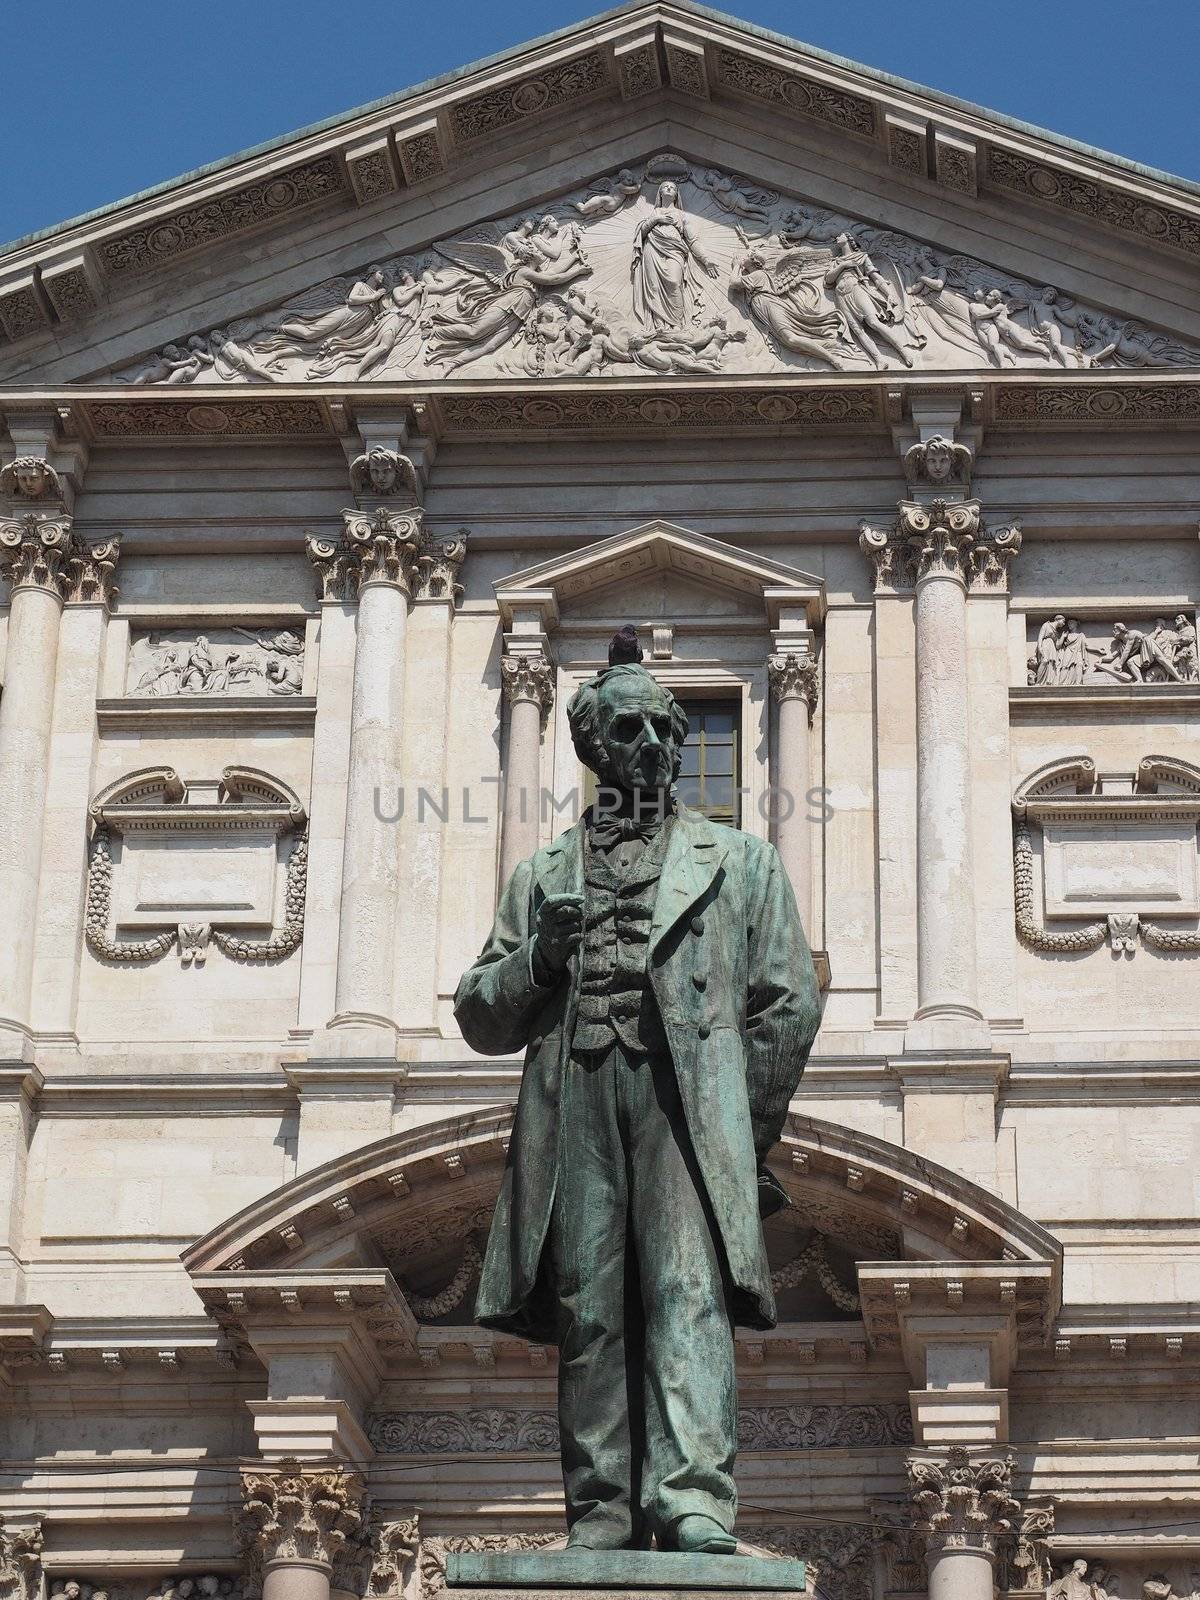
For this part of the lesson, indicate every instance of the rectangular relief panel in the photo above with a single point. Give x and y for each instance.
(1096, 868)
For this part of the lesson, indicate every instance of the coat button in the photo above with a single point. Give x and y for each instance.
(700, 979)
(697, 926)
(704, 1030)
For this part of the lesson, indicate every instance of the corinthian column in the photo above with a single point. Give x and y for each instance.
(965, 1511)
(295, 1522)
(374, 562)
(528, 680)
(35, 551)
(794, 682)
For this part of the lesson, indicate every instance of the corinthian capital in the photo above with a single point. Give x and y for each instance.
(90, 575)
(794, 677)
(939, 537)
(384, 546)
(528, 677)
(439, 563)
(296, 1513)
(960, 1503)
(34, 548)
(21, 1562)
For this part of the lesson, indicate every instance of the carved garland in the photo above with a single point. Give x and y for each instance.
(1029, 929)
(812, 1259)
(430, 1307)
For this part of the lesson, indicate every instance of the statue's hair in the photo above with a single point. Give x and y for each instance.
(583, 717)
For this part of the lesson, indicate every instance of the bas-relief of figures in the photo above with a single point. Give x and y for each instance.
(1089, 1580)
(1063, 656)
(667, 269)
(272, 665)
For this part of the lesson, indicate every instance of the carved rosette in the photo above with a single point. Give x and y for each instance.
(794, 677)
(964, 1504)
(528, 678)
(299, 1514)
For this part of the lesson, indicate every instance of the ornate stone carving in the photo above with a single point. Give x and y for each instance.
(1065, 655)
(439, 563)
(944, 537)
(378, 1558)
(655, 413)
(434, 1552)
(279, 195)
(30, 478)
(840, 1558)
(498, 1429)
(249, 805)
(251, 419)
(384, 546)
(33, 549)
(566, 83)
(795, 677)
(90, 574)
(1072, 191)
(20, 1561)
(903, 1554)
(385, 473)
(208, 1586)
(428, 1308)
(665, 269)
(246, 662)
(71, 294)
(939, 461)
(1143, 402)
(298, 1513)
(755, 79)
(21, 312)
(963, 1503)
(528, 677)
(1025, 1559)
(812, 1261)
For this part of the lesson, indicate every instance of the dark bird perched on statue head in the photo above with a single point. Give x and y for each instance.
(624, 647)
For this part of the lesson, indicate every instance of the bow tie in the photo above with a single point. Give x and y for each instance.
(609, 832)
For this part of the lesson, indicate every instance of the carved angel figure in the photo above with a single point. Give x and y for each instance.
(872, 307)
(738, 202)
(789, 306)
(610, 196)
(997, 332)
(340, 330)
(666, 255)
(493, 306)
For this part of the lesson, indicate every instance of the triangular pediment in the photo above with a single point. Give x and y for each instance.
(655, 550)
(823, 218)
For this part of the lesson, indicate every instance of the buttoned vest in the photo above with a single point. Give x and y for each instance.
(616, 1001)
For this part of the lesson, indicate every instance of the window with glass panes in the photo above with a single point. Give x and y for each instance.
(709, 774)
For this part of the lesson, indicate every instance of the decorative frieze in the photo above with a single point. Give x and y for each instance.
(757, 80)
(965, 1504)
(840, 1558)
(225, 661)
(295, 1513)
(1065, 653)
(566, 83)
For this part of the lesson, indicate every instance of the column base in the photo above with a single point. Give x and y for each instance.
(355, 1036)
(954, 1028)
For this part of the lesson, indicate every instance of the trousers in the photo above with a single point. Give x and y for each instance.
(647, 1392)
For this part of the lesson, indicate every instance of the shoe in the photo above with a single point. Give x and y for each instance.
(701, 1535)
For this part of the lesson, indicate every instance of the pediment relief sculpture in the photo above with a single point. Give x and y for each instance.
(230, 661)
(231, 851)
(1117, 848)
(670, 269)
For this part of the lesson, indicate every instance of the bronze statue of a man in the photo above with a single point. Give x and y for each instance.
(653, 968)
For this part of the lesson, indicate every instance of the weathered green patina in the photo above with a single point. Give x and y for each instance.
(628, 1228)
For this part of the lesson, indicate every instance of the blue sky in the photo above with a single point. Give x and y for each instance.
(102, 99)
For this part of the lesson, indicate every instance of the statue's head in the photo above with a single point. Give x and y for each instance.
(628, 729)
(668, 194)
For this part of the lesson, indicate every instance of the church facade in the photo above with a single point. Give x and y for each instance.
(326, 475)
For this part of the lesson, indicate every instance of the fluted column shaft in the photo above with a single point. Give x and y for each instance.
(794, 684)
(32, 549)
(528, 681)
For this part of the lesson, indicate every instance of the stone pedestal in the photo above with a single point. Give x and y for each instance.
(625, 1572)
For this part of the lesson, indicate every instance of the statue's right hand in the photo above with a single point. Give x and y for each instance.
(559, 929)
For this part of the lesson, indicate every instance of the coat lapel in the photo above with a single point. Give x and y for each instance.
(694, 856)
(560, 868)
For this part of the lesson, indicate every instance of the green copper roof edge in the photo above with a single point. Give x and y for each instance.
(600, 19)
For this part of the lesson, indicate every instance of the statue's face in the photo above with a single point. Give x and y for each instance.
(635, 728)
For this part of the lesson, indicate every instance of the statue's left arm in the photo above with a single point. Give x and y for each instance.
(783, 1008)
(498, 998)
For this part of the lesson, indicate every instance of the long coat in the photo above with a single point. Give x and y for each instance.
(733, 977)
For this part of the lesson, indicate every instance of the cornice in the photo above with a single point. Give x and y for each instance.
(413, 141)
(600, 407)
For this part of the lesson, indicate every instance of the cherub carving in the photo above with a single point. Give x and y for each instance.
(612, 194)
(749, 203)
(939, 460)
